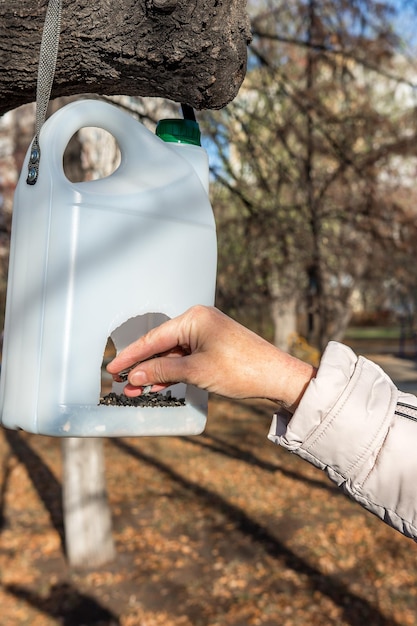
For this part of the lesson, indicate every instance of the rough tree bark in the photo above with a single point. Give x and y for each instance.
(190, 51)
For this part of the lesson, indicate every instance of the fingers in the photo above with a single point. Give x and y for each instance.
(156, 358)
(160, 372)
(164, 339)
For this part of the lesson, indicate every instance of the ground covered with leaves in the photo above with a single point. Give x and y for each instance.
(224, 529)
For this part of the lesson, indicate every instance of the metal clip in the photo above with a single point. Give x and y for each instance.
(33, 166)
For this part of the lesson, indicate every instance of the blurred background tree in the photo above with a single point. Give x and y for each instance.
(314, 169)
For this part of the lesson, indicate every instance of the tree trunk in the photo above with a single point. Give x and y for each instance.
(190, 52)
(283, 313)
(283, 308)
(87, 519)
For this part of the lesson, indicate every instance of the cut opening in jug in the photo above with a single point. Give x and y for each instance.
(112, 391)
(91, 154)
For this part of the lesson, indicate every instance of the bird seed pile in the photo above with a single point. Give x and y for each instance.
(145, 400)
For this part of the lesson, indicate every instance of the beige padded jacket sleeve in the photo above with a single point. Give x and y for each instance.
(356, 425)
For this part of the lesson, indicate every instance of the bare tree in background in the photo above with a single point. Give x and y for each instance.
(327, 106)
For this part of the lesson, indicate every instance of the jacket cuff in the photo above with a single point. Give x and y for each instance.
(343, 416)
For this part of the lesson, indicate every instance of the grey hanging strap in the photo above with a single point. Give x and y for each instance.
(46, 70)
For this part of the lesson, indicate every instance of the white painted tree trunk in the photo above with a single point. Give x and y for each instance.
(283, 311)
(87, 518)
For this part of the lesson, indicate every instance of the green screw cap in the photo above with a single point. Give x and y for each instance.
(179, 131)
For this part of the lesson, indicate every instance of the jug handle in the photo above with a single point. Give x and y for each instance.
(60, 127)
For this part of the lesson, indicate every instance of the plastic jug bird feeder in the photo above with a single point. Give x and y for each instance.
(107, 258)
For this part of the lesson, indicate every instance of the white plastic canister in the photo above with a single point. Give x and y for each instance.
(111, 257)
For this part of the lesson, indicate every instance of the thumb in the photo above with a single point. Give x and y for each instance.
(163, 370)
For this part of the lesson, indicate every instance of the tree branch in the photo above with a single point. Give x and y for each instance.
(190, 52)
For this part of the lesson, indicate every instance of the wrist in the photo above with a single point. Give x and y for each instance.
(292, 377)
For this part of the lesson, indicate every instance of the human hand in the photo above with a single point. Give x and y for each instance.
(206, 348)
